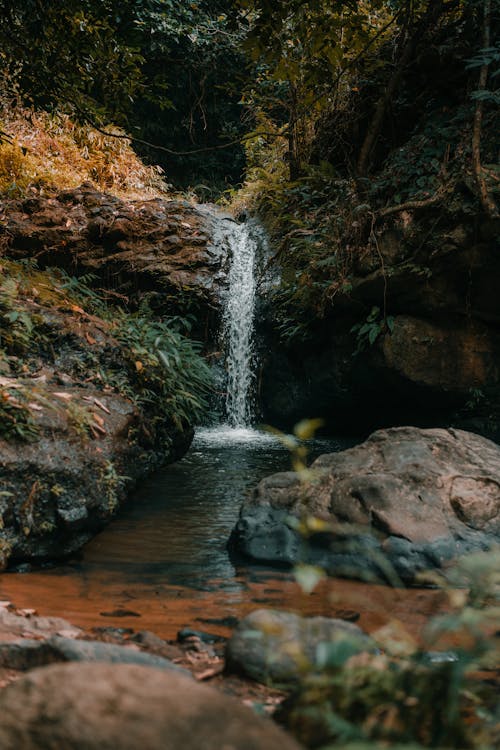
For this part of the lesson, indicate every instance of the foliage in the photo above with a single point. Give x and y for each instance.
(169, 371)
(16, 422)
(326, 73)
(69, 53)
(154, 364)
(16, 323)
(54, 151)
(406, 694)
(369, 331)
(165, 70)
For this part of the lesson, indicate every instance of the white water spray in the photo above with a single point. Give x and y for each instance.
(239, 316)
(242, 242)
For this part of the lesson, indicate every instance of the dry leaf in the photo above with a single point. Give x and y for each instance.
(101, 406)
(27, 612)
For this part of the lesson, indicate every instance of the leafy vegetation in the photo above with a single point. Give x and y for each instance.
(364, 112)
(169, 370)
(47, 151)
(166, 71)
(433, 694)
(16, 422)
(154, 364)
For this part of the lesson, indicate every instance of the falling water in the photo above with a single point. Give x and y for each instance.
(239, 323)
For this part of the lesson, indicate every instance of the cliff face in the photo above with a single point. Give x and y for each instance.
(133, 246)
(90, 403)
(415, 337)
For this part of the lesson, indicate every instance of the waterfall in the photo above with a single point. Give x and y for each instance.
(238, 324)
(242, 243)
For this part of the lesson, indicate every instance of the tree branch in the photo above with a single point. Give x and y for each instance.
(413, 205)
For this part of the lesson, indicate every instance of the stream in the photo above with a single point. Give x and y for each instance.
(162, 564)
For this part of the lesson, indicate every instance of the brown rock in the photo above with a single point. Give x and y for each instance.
(85, 230)
(105, 707)
(414, 498)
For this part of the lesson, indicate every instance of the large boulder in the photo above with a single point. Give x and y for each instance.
(75, 434)
(409, 333)
(404, 501)
(104, 707)
(154, 244)
(278, 648)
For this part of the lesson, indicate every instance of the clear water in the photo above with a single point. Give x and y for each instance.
(176, 526)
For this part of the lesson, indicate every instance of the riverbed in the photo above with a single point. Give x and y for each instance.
(163, 563)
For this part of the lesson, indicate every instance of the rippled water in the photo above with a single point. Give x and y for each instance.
(177, 525)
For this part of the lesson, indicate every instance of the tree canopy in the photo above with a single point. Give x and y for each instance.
(325, 80)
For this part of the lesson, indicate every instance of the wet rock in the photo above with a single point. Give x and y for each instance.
(103, 707)
(277, 648)
(59, 490)
(440, 291)
(404, 501)
(28, 654)
(187, 633)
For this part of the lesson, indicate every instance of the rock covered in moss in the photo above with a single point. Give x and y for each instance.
(404, 501)
(59, 490)
(277, 647)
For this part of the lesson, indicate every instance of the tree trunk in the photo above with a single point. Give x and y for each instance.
(487, 202)
(432, 13)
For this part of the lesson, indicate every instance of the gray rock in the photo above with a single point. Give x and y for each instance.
(105, 707)
(28, 654)
(13, 625)
(276, 647)
(404, 501)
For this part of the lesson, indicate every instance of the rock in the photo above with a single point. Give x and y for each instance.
(104, 707)
(439, 288)
(276, 647)
(28, 654)
(13, 625)
(187, 633)
(61, 489)
(81, 437)
(404, 501)
(137, 243)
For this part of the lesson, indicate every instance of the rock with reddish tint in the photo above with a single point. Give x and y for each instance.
(404, 501)
(277, 648)
(58, 491)
(105, 707)
(142, 245)
(87, 444)
(15, 623)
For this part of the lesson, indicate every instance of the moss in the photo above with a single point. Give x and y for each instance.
(5, 552)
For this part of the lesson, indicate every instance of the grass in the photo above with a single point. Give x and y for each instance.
(51, 151)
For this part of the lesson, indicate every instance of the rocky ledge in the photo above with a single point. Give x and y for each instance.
(404, 501)
(89, 401)
(148, 245)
